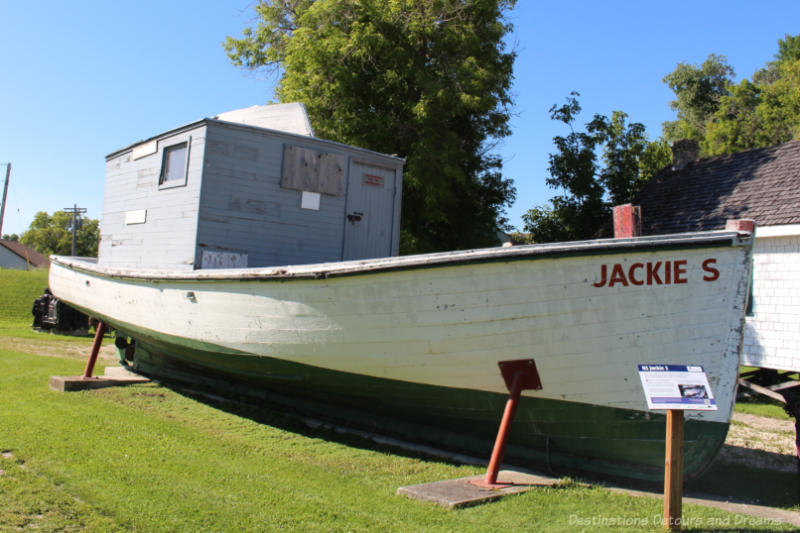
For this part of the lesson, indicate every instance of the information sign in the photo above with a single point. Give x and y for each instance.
(683, 387)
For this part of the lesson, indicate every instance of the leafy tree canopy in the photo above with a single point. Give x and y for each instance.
(698, 91)
(589, 188)
(428, 80)
(726, 117)
(723, 116)
(49, 234)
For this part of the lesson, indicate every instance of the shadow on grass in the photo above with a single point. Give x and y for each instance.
(723, 481)
(746, 484)
(309, 423)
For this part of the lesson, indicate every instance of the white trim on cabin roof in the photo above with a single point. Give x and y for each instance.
(786, 230)
(302, 138)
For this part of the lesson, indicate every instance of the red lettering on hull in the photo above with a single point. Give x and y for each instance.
(712, 274)
(653, 273)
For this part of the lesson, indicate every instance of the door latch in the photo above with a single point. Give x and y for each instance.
(354, 217)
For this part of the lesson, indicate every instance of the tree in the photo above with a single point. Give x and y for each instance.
(12, 237)
(698, 91)
(428, 80)
(49, 235)
(589, 189)
(725, 117)
(757, 114)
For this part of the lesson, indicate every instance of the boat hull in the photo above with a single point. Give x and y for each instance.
(411, 347)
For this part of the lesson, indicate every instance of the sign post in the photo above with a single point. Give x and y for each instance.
(676, 388)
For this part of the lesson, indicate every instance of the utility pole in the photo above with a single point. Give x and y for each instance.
(76, 221)
(5, 194)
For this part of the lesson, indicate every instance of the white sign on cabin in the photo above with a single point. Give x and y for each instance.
(310, 200)
(138, 216)
(220, 259)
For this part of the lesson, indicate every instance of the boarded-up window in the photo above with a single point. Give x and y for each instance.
(310, 170)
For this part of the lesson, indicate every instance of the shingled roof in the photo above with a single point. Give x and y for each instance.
(29, 254)
(762, 184)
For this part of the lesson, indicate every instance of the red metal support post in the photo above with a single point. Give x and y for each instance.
(518, 375)
(98, 340)
(499, 449)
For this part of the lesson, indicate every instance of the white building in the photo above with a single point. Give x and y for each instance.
(763, 185)
(16, 255)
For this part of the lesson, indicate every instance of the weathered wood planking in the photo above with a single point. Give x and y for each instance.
(238, 199)
(418, 324)
(310, 170)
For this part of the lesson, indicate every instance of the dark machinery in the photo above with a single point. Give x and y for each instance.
(50, 313)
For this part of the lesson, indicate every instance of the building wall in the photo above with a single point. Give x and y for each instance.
(145, 224)
(246, 211)
(8, 259)
(772, 334)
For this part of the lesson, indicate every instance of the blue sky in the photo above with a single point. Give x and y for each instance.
(84, 78)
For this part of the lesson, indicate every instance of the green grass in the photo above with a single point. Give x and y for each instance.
(18, 289)
(759, 405)
(146, 458)
(762, 408)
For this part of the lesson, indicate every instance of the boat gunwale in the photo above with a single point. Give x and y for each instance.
(411, 262)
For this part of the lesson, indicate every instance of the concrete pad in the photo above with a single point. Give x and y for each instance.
(114, 376)
(453, 493)
(121, 373)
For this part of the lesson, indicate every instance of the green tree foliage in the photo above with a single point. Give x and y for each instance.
(50, 235)
(11, 237)
(698, 91)
(788, 48)
(725, 117)
(590, 190)
(428, 80)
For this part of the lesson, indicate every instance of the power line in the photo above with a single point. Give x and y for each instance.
(5, 194)
(76, 221)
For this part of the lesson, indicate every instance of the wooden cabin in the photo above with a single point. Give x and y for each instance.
(248, 188)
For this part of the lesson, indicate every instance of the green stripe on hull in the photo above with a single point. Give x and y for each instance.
(565, 436)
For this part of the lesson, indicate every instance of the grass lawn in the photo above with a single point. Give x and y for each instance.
(148, 458)
(762, 408)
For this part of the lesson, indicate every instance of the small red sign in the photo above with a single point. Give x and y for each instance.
(372, 179)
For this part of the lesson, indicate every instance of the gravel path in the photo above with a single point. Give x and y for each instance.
(760, 442)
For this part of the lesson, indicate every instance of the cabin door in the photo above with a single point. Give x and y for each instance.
(369, 212)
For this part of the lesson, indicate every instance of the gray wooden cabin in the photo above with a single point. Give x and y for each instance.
(228, 192)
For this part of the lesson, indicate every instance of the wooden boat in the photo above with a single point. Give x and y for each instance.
(410, 345)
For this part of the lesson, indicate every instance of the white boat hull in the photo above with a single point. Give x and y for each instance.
(587, 313)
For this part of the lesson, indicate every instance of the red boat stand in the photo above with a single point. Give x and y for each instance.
(519, 375)
(98, 340)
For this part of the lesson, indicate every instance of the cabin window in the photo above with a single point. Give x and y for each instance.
(174, 165)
